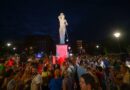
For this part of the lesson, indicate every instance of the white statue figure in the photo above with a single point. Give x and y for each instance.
(62, 28)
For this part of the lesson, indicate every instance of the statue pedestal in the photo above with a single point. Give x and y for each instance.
(61, 52)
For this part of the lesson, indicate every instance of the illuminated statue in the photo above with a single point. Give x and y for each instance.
(62, 28)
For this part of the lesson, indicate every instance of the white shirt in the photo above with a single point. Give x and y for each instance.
(71, 69)
(11, 85)
(36, 80)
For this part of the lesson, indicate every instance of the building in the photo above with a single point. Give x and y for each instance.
(79, 46)
(40, 43)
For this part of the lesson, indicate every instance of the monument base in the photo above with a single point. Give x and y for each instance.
(61, 52)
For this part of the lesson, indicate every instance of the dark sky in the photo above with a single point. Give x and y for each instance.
(89, 20)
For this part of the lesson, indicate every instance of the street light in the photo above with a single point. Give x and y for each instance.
(97, 46)
(117, 36)
(14, 48)
(69, 47)
(8, 44)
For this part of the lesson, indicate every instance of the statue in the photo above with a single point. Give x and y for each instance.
(62, 29)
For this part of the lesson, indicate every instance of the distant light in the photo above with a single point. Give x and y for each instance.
(14, 48)
(69, 48)
(97, 46)
(39, 55)
(102, 64)
(71, 54)
(81, 47)
(31, 47)
(67, 40)
(8, 44)
(128, 64)
(117, 34)
(26, 49)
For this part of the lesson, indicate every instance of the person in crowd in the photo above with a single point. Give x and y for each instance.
(40, 67)
(87, 82)
(45, 78)
(2, 69)
(73, 69)
(71, 75)
(6, 78)
(26, 79)
(18, 81)
(68, 82)
(12, 82)
(101, 77)
(63, 67)
(56, 82)
(125, 77)
(92, 72)
(111, 80)
(81, 69)
(36, 83)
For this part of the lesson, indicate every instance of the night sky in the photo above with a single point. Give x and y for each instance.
(89, 20)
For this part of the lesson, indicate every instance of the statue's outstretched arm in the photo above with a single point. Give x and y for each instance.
(66, 23)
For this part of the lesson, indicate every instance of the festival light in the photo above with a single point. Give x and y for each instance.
(8, 44)
(117, 36)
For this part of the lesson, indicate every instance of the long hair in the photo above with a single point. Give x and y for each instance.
(89, 79)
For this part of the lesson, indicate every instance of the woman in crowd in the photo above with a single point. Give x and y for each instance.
(87, 82)
(36, 83)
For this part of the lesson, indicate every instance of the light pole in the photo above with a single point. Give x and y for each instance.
(117, 36)
(8, 44)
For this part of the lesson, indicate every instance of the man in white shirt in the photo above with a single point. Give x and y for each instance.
(36, 80)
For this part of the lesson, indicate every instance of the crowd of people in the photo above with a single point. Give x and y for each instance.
(82, 72)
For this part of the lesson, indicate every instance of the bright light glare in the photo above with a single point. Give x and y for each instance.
(69, 48)
(67, 40)
(71, 54)
(117, 34)
(97, 46)
(8, 44)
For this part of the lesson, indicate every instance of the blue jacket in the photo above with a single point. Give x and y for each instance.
(55, 84)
